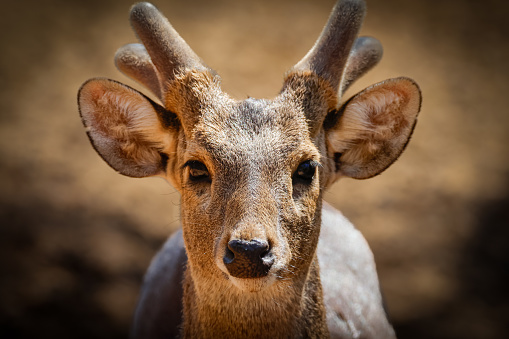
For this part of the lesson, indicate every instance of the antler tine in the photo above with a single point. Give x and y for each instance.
(166, 48)
(329, 55)
(366, 53)
(133, 60)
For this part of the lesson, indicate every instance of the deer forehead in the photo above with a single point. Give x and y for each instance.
(253, 131)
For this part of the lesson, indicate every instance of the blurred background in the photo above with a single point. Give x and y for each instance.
(76, 238)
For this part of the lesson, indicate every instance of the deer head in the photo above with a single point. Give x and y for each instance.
(250, 173)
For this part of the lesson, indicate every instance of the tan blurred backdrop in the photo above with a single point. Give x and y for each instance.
(75, 237)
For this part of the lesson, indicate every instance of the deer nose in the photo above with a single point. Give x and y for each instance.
(248, 259)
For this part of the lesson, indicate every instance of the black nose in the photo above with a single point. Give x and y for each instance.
(248, 259)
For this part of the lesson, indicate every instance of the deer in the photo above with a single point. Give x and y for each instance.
(259, 253)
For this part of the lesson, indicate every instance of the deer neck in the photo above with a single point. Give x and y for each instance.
(290, 309)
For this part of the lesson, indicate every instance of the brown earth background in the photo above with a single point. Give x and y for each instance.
(76, 238)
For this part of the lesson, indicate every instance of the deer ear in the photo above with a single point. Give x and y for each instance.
(128, 130)
(372, 129)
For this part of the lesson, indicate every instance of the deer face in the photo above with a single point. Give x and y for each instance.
(250, 173)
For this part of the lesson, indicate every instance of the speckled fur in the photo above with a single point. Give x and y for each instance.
(252, 150)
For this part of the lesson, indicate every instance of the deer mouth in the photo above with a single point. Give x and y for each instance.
(253, 284)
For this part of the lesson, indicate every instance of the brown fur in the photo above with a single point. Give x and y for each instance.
(251, 152)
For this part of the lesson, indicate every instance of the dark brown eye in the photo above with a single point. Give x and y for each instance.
(197, 171)
(306, 171)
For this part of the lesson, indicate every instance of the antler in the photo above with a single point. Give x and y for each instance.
(329, 55)
(133, 60)
(365, 54)
(162, 54)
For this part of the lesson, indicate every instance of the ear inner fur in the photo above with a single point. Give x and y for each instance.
(374, 128)
(126, 128)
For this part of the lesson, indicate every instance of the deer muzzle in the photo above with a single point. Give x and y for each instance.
(248, 259)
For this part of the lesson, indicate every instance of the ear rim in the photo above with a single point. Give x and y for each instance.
(334, 118)
(118, 163)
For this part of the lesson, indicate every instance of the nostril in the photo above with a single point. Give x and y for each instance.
(229, 256)
(264, 253)
(267, 255)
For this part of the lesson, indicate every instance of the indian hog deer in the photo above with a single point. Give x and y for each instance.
(260, 255)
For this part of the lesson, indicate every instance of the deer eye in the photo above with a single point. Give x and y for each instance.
(197, 171)
(306, 171)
